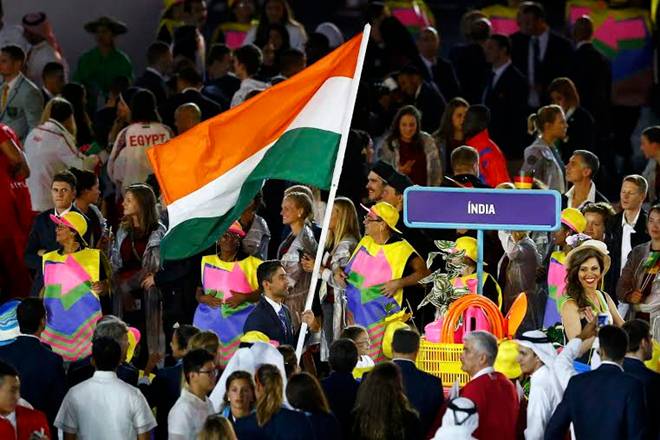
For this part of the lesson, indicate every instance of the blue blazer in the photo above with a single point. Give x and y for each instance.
(341, 390)
(284, 425)
(264, 319)
(423, 390)
(651, 381)
(603, 404)
(41, 373)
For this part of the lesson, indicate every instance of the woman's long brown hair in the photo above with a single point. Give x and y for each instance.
(574, 288)
(270, 400)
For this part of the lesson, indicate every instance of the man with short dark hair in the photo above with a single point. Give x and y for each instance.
(41, 371)
(292, 61)
(16, 421)
(640, 350)
(247, 62)
(377, 180)
(424, 95)
(270, 316)
(53, 80)
(187, 416)
(423, 390)
(189, 85)
(464, 162)
(20, 99)
(159, 65)
(186, 116)
(221, 83)
(438, 69)
(340, 386)
(105, 407)
(604, 403)
(581, 169)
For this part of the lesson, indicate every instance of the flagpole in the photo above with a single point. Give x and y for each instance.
(346, 126)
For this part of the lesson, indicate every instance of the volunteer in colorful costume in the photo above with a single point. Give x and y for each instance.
(223, 275)
(490, 288)
(73, 280)
(381, 266)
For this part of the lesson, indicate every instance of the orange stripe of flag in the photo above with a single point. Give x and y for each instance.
(207, 151)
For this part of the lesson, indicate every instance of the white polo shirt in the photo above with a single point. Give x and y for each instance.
(187, 416)
(105, 408)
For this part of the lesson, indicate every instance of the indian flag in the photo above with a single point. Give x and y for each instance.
(292, 131)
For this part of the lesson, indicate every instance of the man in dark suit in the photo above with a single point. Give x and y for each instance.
(540, 54)
(470, 62)
(159, 64)
(189, 84)
(640, 350)
(435, 68)
(221, 83)
(506, 97)
(627, 229)
(423, 95)
(270, 316)
(340, 386)
(53, 79)
(40, 370)
(605, 403)
(423, 390)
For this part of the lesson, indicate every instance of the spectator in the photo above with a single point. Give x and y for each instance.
(542, 160)
(235, 29)
(539, 53)
(316, 47)
(424, 95)
(627, 229)
(377, 180)
(257, 237)
(53, 80)
(221, 83)
(424, 391)
(450, 134)
(159, 66)
(217, 428)
(465, 168)
(189, 85)
(128, 163)
(606, 395)
(412, 151)
(581, 129)
(637, 284)
(42, 235)
(581, 168)
(597, 216)
(44, 46)
(439, 70)
(17, 421)
(271, 316)
(276, 12)
(87, 196)
(20, 101)
(172, 17)
(492, 163)
(188, 48)
(334, 34)
(77, 97)
(291, 366)
(187, 416)
(247, 62)
(586, 265)
(360, 337)
(304, 393)
(41, 371)
(239, 398)
(291, 62)
(104, 407)
(492, 393)
(51, 148)
(460, 420)
(11, 34)
(186, 116)
(469, 58)
(340, 386)
(506, 97)
(98, 67)
(382, 409)
(271, 419)
(536, 357)
(640, 350)
(650, 146)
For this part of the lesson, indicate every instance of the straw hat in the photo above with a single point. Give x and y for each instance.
(116, 26)
(596, 245)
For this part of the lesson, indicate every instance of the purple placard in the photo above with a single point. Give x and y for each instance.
(453, 208)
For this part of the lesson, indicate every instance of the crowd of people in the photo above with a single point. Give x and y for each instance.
(103, 339)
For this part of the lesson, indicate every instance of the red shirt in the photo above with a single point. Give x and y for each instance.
(492, 163)
(411, 151)
(27, 422)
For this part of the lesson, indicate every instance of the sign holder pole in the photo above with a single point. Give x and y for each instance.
(480, 261)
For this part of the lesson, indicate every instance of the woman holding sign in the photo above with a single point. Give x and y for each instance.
(73, 280)
(227, 273)
(381, 266)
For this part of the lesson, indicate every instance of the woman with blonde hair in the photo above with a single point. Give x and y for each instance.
(581, 126)
(217, 428)
(542, 159)
(298, 248)
(271, 420)
(206, 340)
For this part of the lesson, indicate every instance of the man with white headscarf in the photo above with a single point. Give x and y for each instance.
(45, 47)
(460, 420)
(536, 356)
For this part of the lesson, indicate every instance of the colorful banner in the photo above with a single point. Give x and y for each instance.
(556, 289)
(415, 15)
(371, 266)
(502, 19)
(72, 309)
(219, 279)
